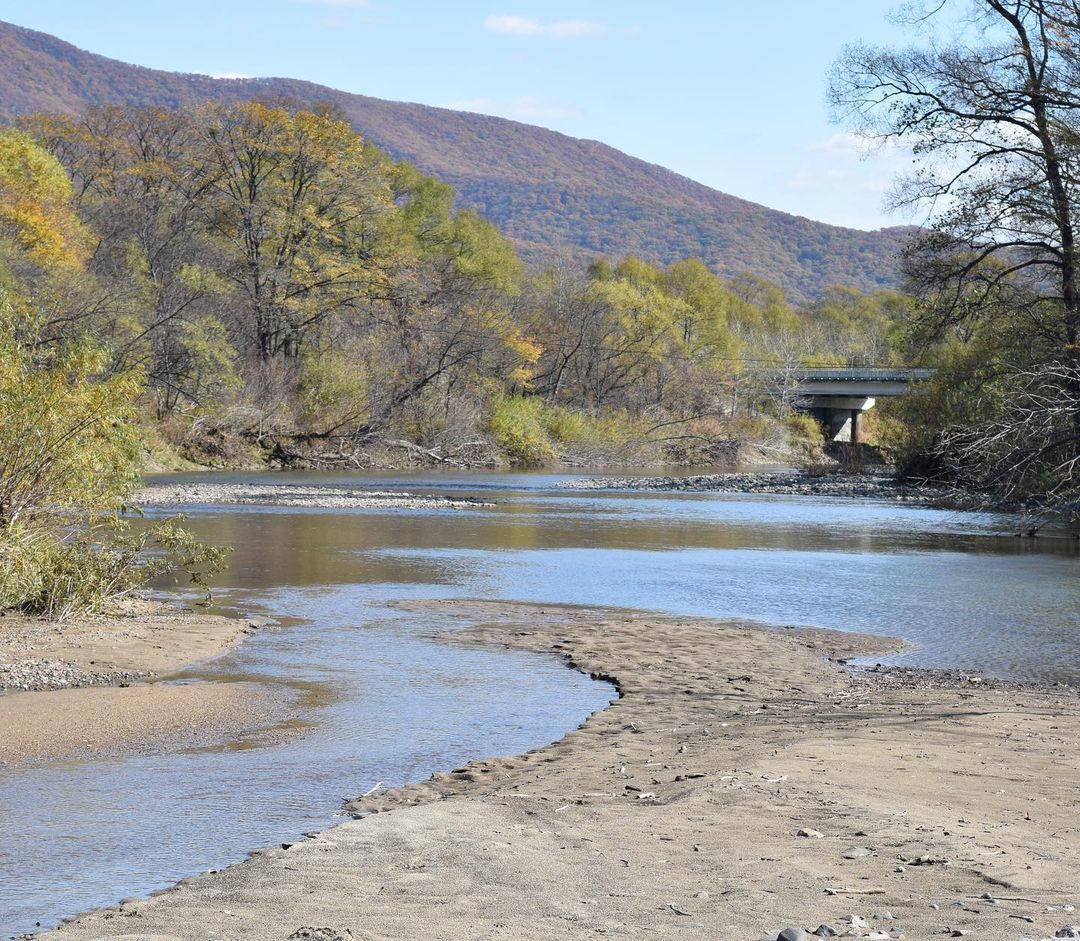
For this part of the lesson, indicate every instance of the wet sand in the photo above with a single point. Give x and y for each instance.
(744, 782)
(80, 688)
(104, 722)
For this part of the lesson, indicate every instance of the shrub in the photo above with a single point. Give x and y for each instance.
(332, 392)
(529, 430)
(61, 574)
(805, 429)
(67, 437)
(68, 462)
(518, 426)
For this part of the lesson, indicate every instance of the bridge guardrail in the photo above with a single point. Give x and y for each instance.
(864, 374)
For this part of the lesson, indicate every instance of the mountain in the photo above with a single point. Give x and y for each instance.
(547, 191)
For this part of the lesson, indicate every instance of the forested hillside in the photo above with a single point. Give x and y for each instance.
(274, 282)
(548, 192)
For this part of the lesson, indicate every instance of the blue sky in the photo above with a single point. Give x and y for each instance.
(727, 92)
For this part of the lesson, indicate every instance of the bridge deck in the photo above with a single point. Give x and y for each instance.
(864, 374)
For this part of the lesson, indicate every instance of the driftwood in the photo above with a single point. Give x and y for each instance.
(288, 448)
(848, 891)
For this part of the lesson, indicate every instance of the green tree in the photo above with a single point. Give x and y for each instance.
(296, 202)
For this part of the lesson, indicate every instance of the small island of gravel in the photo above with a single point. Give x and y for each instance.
(294, 495)
(879, 485)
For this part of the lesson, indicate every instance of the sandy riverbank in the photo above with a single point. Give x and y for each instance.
(81, 688)
(744, 783)
(103, 722)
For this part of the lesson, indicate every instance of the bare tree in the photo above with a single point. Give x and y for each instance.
(992, 117)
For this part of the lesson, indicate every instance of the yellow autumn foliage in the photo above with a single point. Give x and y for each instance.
(37, 220)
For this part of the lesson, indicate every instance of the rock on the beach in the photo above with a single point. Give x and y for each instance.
(811, 833)
(857, 852)
(793, 934)
(296, 495)
(791, 483)
(826, 931)
(1069, 931)
(320, 934)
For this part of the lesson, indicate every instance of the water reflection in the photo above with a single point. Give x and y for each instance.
(957, 586)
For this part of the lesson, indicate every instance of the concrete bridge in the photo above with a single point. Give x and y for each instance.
(838, 397)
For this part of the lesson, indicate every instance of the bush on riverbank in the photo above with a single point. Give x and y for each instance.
(78, 571)
(69, 441)
(530, 431)
(68, 462)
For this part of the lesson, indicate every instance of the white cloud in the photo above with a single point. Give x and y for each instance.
(843, 144)
(851, 174)
(509, 25)
(525, 108)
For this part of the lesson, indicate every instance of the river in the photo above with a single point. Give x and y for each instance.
(383, 703)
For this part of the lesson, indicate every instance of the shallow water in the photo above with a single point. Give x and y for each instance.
(385, 704)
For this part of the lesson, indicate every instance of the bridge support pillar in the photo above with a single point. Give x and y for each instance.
(841, 416)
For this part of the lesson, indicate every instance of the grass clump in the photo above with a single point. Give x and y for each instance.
(58, 575)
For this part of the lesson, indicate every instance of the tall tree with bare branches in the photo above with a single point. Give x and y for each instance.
(992, 116)
(989, 104)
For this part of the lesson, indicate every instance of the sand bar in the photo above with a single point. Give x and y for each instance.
(80, 689)
(104, 722)
(743, 783)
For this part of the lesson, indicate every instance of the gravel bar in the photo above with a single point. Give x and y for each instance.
(298, 495)
(789, 483)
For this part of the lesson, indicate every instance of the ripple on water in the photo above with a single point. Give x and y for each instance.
(387, 704)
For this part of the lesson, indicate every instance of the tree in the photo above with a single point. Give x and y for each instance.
(442, 315)
(992, 116)
(1016, 452)
(137, 185)
(38, 226)
(68, 436)
(66, 441)
(194, 363)
(295, 203)
(562, 314)
(853, 329)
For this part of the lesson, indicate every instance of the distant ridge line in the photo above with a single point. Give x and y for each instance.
(551, 193)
